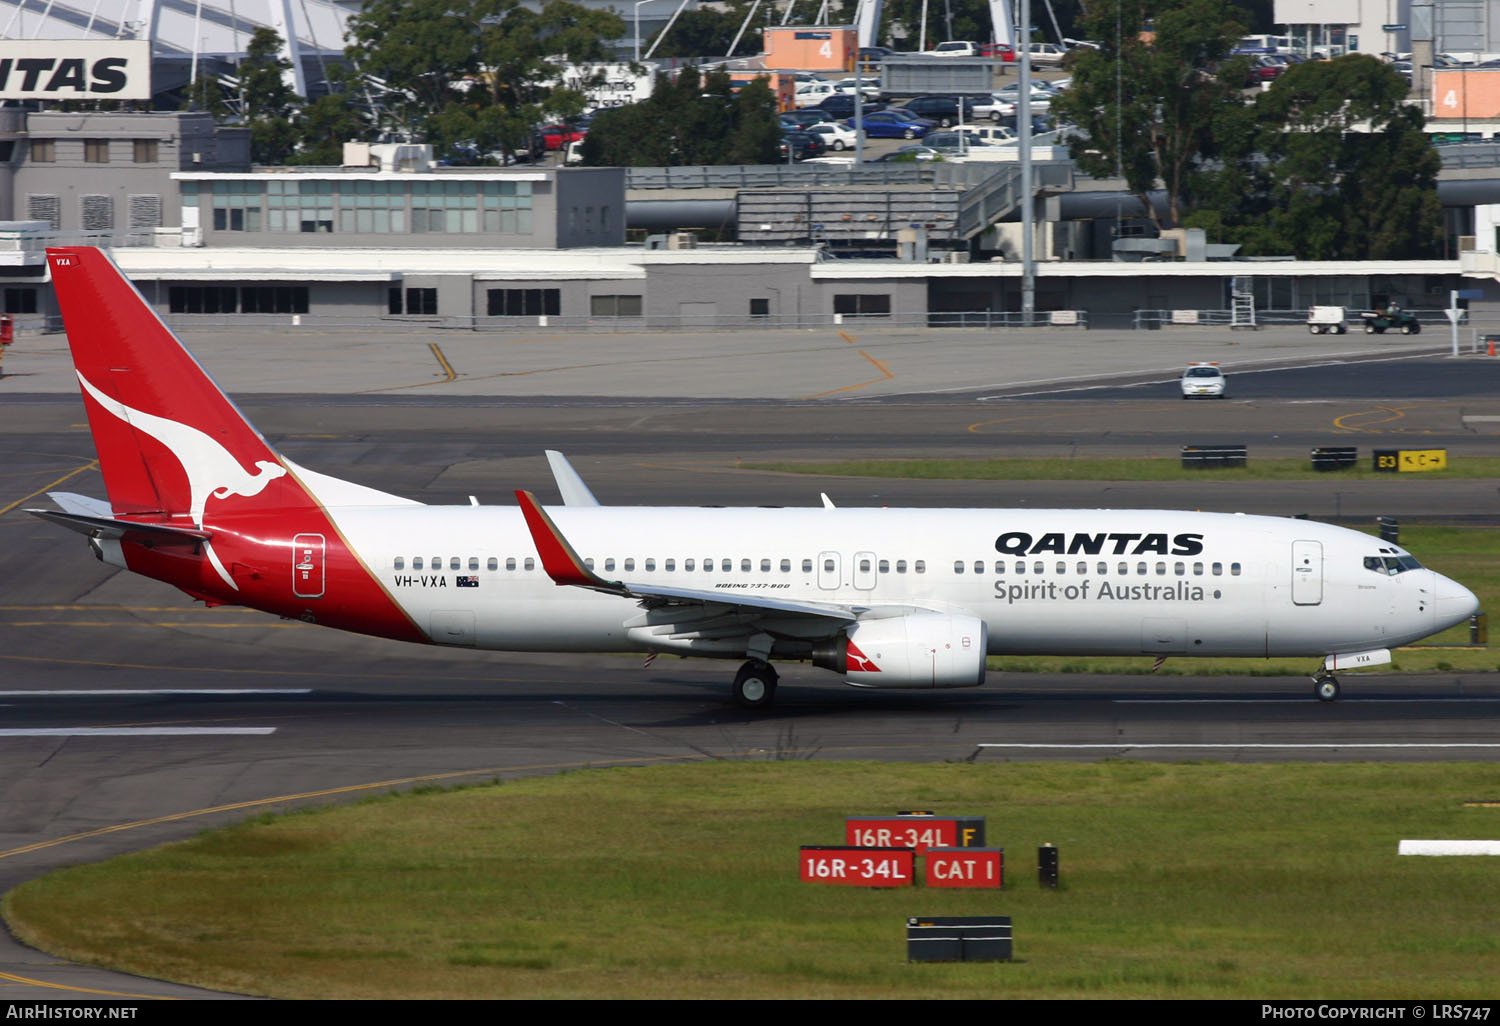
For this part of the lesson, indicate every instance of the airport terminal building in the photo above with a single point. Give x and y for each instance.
(389, 237)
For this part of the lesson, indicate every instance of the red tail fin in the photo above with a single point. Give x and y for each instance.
(168, 439)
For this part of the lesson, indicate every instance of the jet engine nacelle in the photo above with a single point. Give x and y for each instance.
(924, 650)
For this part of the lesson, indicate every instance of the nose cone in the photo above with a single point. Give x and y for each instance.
(1454, 603)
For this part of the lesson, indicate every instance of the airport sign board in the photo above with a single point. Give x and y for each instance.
(75, 69)
(858, 867)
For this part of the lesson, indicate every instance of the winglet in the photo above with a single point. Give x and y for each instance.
(558, 558)
(574, 491)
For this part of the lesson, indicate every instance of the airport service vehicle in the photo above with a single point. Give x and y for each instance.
(1324, 319)
(888, 598)
(1204, 379)
(810, 94)
(1377, 322)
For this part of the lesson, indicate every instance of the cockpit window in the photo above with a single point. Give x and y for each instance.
(1391, 565)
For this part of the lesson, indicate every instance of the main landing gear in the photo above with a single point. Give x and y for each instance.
(755, 685)
(1325, 686)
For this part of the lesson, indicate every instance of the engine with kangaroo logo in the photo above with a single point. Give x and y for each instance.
(923, 650)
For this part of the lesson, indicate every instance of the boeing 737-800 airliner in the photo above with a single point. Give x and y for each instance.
(888, 598)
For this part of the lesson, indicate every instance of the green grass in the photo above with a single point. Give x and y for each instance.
(1085, 469)
(1179, 881)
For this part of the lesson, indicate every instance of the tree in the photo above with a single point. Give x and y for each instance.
(705, 31)
(1147, 99)
(692, 120)
(1335, 165)
(480, 72)
(267, 104)
(330, 121)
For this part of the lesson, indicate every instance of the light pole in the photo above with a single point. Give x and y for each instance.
(638, 5)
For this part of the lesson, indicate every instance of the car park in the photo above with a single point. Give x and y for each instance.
(1002, 103)
(1204, 381)
(907, 154)
(834, 135)
(890, 124)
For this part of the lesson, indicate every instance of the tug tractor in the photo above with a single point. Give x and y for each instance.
(1377, 321)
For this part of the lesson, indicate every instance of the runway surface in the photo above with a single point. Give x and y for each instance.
(133, 716)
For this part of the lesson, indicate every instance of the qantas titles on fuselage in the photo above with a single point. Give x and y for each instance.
(884, 597)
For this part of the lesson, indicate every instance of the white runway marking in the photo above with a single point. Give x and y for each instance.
(1319, 744)
(85, 693)
(128, 731)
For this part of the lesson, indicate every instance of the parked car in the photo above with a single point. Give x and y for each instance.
(1047, 54)
(890, 124)
(802, 145)
(804, 118)
(835, 136)
(945, 110)
(990, 133)
(869, 86)
(1002, 104)
(1004, 51)
(907, 154)
(955, 48)
(556, 136)
(841, 106)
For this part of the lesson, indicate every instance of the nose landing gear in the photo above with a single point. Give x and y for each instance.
(1325, 686)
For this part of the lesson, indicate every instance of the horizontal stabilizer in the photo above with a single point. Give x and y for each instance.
(109, 527)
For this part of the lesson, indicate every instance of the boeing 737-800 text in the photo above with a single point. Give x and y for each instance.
(889, 598)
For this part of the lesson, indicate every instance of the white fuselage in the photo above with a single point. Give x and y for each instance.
(1043, 581)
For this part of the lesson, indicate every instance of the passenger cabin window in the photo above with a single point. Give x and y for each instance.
(492, 564)
(530, 563)
(416, 563)
(400, 563)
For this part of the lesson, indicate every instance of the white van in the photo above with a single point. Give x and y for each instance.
(810, 94)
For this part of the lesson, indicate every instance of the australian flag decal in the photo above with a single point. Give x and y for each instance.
(467, 582)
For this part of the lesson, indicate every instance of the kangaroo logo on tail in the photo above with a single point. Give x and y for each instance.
(210, 468)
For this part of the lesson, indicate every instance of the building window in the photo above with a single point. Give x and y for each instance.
(96, 151)
(760, 308)
(523, 302)
(273, 299)
(615, 306)
(20, 301)
(146, 151)
(202, 299)
(412, 301)
(43, 151)
(862, 306)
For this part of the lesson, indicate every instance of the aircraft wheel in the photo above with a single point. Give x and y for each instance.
(1326, 688)
(755, 685)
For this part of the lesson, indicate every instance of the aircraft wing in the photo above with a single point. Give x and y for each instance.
(565, 567)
